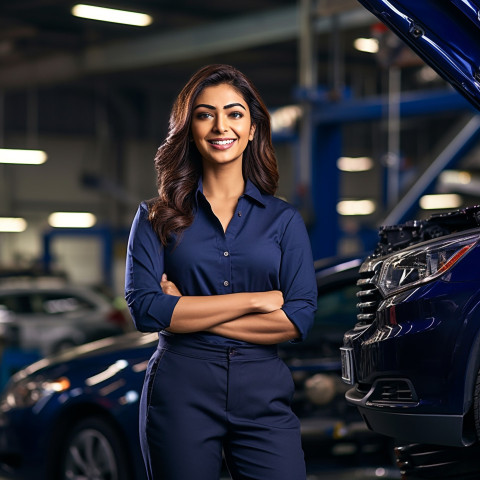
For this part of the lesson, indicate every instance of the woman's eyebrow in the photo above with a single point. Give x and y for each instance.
(230, 105)
(204, 105)
(211, 107)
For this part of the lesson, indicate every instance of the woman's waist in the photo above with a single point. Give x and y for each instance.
(213, 346)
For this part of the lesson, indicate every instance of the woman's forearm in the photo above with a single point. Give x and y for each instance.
(267, 328)
(199, 313)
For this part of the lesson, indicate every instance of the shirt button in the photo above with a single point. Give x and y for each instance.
(226, 283)
(226, 254)
(239, 214)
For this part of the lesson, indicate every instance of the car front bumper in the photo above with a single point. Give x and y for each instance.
(409, 424)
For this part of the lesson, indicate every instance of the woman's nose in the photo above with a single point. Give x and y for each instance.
(220, 124)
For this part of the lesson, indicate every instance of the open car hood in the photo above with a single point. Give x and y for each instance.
(444, 33)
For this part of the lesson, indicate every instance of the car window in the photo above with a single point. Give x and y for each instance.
(16, 303)
(54, 303)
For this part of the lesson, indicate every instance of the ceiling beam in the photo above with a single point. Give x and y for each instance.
(259, 29)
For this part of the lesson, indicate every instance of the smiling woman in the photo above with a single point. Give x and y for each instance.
(223, 270)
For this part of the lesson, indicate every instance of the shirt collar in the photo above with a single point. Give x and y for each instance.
(251, 191)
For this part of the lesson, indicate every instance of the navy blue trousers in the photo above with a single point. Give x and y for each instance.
(200, 400)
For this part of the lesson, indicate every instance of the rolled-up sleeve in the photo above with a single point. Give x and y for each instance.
(150, 308)
(297, 276)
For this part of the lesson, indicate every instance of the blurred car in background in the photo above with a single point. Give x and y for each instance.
(48, 314)
(75, 415)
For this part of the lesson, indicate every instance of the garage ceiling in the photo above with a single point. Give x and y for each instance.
(43, 46)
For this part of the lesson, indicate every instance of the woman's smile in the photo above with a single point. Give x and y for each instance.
(221, 144)
(221, 125)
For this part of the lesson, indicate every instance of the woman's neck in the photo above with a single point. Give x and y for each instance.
(223, 183)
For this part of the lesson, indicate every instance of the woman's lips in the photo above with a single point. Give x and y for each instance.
(222, 144)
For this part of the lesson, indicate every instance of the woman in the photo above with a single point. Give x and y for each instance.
(223, 271)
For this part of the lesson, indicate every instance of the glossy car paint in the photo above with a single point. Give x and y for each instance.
(416, 364)
(443, 33)
(105, 377)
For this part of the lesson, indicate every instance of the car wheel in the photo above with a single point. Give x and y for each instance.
(93, 451)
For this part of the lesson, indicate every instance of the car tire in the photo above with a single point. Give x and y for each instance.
(93, 450)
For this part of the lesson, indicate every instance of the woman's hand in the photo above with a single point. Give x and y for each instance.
(168, 287)
(266, 302)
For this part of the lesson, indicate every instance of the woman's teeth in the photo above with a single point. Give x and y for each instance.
(221, 142)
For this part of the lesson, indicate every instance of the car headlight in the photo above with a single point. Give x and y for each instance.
(413, 267)
(28, 391)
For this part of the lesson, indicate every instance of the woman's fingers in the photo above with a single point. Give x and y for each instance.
(169, 287)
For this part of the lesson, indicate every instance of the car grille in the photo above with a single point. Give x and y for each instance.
(369, 296)
(393, 391)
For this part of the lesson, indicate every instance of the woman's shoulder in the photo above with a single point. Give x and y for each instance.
(145, 206)
(280, 205)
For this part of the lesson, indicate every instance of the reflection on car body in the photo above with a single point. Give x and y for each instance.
(414, 355)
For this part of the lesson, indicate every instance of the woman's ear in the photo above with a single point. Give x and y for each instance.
(252, 132)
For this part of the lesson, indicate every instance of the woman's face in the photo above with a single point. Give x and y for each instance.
(221, 124)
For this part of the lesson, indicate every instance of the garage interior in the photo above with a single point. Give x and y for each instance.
(366, 134)
(362, 138)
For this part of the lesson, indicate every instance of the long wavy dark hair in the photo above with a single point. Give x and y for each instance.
(178, 163)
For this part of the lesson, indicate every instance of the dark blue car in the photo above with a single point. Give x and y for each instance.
(75, 415)
(414, 355)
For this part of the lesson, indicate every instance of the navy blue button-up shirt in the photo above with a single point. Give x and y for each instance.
(265, 247)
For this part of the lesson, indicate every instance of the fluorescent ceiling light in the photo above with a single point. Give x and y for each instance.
(354, 164)
(12, 224)
(285, 117)
(111, 15)
(72, 220)
(25, 157)
(441, 201)
(356, 207)
(455, 177)
(368, 45)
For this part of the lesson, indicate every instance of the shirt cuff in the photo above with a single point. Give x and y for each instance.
(302, 318)
(161, 309)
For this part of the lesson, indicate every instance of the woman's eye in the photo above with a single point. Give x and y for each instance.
(203, 115)
(237, 114)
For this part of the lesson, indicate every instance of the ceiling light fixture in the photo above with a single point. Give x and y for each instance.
(23, 157)
(441, 201)
(12, 224)
(354, 164)
(455, 177)
(367, 45)
(111, 15)
(356, 207)
(72, 220)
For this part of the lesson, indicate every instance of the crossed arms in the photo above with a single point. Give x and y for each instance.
(252, 317)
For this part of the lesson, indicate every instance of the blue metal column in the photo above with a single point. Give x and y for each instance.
(326, 149)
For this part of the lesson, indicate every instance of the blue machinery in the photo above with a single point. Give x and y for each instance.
(327, 119)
